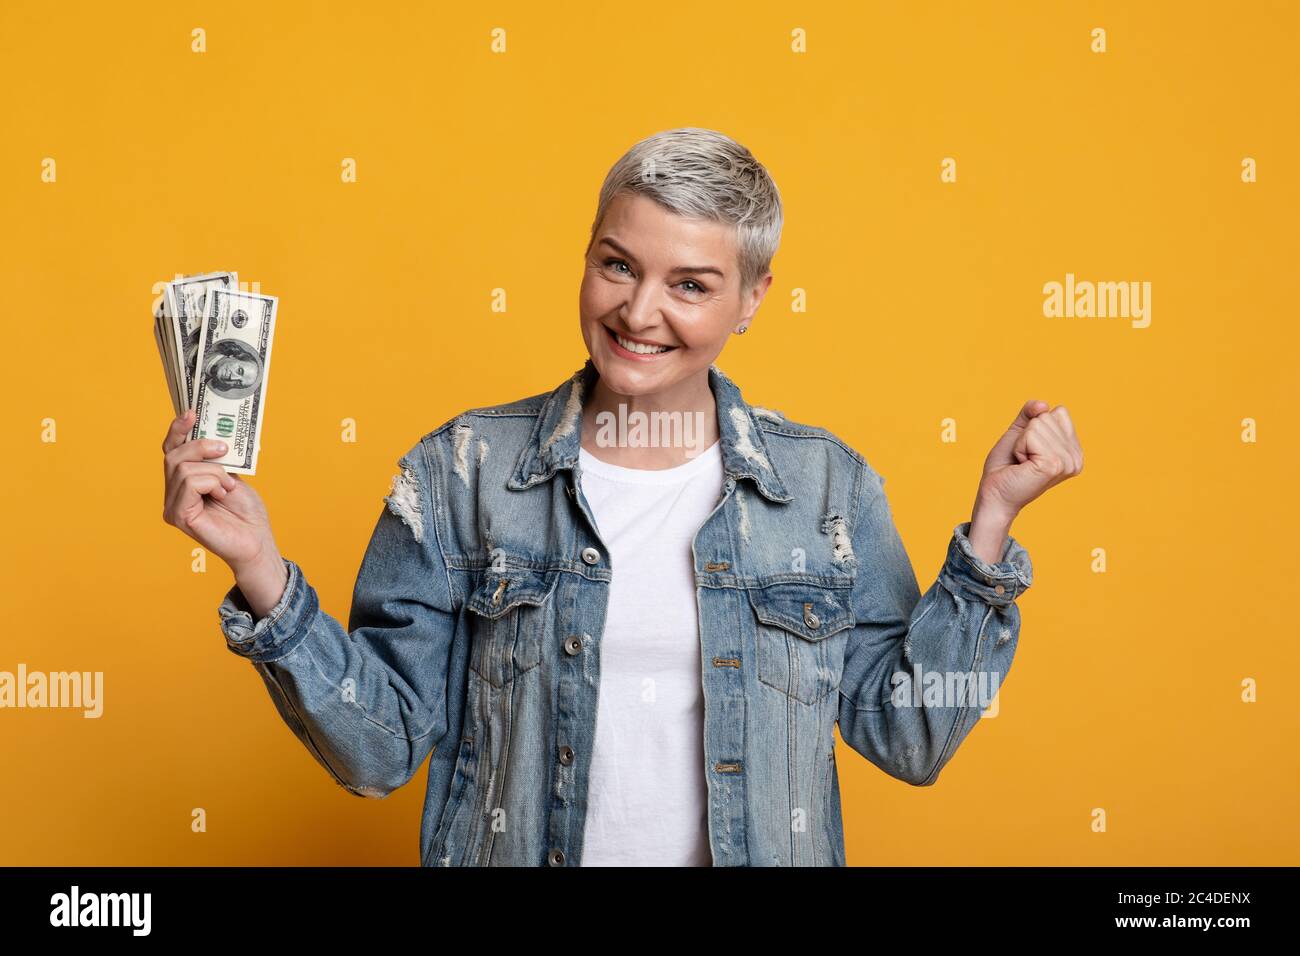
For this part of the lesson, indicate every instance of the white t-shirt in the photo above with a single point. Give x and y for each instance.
(648, 801)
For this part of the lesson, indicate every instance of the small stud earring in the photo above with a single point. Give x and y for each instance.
(742, 330)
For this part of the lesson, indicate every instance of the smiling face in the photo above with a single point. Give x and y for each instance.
(660, 295)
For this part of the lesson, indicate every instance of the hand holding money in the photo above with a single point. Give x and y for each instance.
(221, 512)
(215, 344)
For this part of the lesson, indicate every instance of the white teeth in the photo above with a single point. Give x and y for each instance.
(638, 347)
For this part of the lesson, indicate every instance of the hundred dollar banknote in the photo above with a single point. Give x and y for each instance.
(232, 362)
(183, 309)
(160, 336)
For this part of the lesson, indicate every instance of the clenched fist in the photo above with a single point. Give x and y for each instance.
(1039, 450)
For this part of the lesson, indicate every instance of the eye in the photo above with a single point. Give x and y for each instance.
(609, 262)
(698, 288)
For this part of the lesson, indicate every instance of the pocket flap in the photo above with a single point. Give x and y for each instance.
(809, 610)
(500, 590)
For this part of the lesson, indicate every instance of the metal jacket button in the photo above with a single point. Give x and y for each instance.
(572, 644)
(555, 857)
(590, 555)
(566, 755)
(809, 618)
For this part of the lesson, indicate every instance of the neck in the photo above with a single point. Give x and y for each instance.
(654, 431)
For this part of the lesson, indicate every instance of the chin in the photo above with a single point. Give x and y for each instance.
(622, 380)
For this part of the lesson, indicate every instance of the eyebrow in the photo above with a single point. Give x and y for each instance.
(697, 269)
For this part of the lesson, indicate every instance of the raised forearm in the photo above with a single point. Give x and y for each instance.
(989, 527)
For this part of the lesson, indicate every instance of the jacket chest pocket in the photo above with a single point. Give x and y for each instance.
(508, 622)
(802, 631)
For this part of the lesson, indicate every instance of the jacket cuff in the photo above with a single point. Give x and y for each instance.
(280, 630)
(966, 574)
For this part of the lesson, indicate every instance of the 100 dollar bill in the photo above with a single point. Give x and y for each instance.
(184, 305)
(230, 373)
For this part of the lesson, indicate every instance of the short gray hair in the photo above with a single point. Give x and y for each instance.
(703, 174)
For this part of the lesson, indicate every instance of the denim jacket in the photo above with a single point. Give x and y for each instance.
(475, 633)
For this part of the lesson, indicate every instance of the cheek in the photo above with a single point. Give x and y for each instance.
(594, 299)
(706, 333)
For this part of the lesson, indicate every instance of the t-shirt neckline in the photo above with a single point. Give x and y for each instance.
(651, 476)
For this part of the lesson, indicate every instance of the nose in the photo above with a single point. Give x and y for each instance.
(641, 309)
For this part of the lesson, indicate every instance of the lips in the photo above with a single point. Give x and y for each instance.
(636, 348)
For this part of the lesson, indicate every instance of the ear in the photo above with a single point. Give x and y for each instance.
(754, 298)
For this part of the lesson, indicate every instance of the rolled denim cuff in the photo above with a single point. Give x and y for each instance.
(280, 630)
(968, 575)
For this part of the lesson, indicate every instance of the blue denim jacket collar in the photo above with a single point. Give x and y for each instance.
(557, 436)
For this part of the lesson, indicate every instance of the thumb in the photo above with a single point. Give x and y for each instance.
(1020, 447)
(1029, 411)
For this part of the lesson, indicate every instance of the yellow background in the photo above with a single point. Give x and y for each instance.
(479, 170)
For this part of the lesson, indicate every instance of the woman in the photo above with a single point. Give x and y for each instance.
(624, 617)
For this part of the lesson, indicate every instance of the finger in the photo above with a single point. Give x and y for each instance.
(1044, 444)
(197, 450)
(186, 470)
(1053, 444)
(1069, 439)
(1049, 426)
(1063, 418)
(1057, 460)
(1072, 436)
(178, 430)
(1020, 448)
(191, 492)
(1035, 444)
(226, 484)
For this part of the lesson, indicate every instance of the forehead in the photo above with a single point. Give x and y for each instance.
(645, 228)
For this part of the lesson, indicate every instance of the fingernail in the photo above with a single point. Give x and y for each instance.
(219, 445)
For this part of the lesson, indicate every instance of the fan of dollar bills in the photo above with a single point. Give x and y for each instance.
(215, 346)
